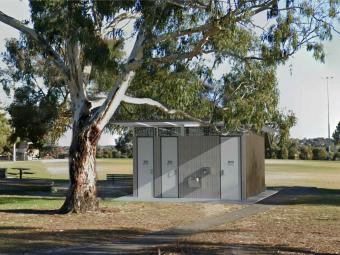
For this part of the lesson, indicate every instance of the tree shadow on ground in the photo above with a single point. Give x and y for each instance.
(121, 241)
(303, 196)
(205, 248)
(31, 211)
(106, 189)
(31, 240)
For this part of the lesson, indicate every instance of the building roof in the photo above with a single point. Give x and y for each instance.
(176, 123)
(162, 123)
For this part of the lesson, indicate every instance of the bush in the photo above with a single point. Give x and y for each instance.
(320, 154)
(116, 154)
(336, 156)
(283, 153)
(293, 151)
(306, 153)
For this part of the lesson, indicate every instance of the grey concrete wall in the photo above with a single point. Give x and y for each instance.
(254, 165)
(197, 153)
(134, 170)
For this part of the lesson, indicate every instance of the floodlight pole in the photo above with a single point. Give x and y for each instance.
(329, 129)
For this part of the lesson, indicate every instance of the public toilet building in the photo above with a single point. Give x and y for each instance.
(183, 159)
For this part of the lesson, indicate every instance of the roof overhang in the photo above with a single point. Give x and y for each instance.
(163, 123)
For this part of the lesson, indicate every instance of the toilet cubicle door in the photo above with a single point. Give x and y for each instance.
(230, 168)
(145, 166)
(169, 165)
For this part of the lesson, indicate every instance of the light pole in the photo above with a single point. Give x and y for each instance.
(329, 129)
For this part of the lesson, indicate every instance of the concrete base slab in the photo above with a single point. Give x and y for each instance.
(252, 200)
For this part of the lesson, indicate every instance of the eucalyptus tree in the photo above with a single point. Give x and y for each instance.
(162, 56)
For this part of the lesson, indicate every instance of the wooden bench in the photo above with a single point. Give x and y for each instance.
(120, 179)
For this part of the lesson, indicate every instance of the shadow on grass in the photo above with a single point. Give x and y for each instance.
(30, 211)
(30, 240)
(106, 189)
(205, 248)
(121, 241)
(303, 196)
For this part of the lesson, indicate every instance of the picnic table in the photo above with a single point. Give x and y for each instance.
(21, 170)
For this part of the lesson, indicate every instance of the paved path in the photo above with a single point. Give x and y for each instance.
(150, 242)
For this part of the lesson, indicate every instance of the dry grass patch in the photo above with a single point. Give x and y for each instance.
(23, 227)
(299, 229)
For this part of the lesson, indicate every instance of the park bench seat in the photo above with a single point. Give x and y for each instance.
(120, 179)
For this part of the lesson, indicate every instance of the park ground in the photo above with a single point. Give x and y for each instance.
(305, 221)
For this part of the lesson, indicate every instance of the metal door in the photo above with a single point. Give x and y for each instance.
(169, 164)
(230, 168)
(145, 166)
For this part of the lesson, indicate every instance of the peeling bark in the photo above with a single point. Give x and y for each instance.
(82, 194)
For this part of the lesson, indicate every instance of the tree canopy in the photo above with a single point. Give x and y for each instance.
(180, 45)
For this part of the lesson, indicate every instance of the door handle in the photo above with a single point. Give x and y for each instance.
(151, 171)
(222, 172)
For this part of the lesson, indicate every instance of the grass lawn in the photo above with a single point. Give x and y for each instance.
(308, 225)
(58, 169)
(308, 173)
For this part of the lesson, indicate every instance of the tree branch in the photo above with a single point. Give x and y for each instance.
(16, 24)
(112, 102)
(122, 17)
(105, 112)
(151, 102)
(80, 104)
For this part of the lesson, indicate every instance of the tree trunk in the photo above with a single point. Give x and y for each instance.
(82, 193)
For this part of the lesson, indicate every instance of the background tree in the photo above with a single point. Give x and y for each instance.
(82, 44)
(5, 131)
(293, 150)
(38, 116)
(336, 134)
(320, 154)
(124, 143)
(277, 142)
(306, 152)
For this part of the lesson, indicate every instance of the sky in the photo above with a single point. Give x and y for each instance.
(300, 82)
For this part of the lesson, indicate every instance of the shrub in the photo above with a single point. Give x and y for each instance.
(320, 154)
(293, 151)
(306, 153)
(336, 156)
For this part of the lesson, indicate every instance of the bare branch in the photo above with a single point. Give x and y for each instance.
(151, 102)
(122, 17)
(80, 104)
(113, 100)
(16, 24)
(105, 112)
